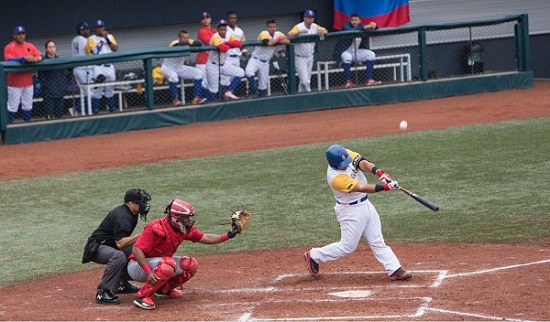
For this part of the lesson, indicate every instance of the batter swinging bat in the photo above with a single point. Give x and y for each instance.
(422, 200)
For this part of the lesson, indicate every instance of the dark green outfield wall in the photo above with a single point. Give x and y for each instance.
(377, 95)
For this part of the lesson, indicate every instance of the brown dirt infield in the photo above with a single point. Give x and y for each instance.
(451, 281)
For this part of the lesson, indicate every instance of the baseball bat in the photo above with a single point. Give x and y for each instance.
(421, 200)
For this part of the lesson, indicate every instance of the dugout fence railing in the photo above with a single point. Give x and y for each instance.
(405, 54)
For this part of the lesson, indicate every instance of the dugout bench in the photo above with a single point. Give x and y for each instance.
(397, 60)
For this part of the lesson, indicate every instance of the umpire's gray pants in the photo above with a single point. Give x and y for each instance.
(115, 269)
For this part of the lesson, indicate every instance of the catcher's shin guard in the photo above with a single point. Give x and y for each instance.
(189, 266)
(164, 271)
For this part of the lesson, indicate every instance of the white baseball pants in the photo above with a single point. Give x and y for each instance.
(235, 61)
(83, 74)
(213, 74)
(21, 95)
(356, 221)
(303, 68)
(181, 72)
(360, 55)
(108, 91)
(256, 65)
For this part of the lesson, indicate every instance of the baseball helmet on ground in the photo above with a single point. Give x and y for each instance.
(337, 156)
(181, 213)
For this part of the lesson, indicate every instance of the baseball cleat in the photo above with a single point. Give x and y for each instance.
(372, 82)
(230, 95)
(400, 275)
(106, 297)
(176, 102)
(312, 266)
(174, 293)
(127, 288)
(144, 303)
(349, 84)
(199, 100)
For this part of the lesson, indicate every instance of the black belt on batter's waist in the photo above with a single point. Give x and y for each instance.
(263, 61)
(216, 63)
(233, 56)
(105, 65)
(301, 56)
(354, 202)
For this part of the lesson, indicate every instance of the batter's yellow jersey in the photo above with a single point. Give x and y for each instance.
(342, 181)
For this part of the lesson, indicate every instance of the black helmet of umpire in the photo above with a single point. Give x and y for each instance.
(140, 197)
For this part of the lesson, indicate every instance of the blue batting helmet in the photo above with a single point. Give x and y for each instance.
(337, 156)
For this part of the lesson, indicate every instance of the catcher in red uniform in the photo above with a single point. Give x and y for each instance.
(153, 261)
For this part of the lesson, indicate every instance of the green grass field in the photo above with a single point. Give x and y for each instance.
(489, 180)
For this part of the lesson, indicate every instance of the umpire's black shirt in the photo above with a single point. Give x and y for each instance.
(119, 223)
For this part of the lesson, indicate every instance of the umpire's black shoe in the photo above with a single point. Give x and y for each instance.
(106, 297)
(127, 287)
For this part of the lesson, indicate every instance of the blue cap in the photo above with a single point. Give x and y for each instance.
(82, 26)
(205, 14)
(309, 14)
(99, 23)
(19, 30)
(222, 22)
(337, 156)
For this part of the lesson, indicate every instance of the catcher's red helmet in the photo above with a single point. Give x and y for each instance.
(181, 213)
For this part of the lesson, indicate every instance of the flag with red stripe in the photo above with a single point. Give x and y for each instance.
(386, 13)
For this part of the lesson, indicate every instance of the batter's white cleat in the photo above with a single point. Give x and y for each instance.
(400, 275)
(312, 266)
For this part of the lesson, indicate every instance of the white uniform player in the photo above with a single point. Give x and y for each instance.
(82, 74)
(174, 69)
(355, 213)
(216, 65)
(303, 52)
(98, 44)
(234, 55)
(356, 54)
(259, 62)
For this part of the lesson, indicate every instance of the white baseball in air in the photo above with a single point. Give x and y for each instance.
(403, 125)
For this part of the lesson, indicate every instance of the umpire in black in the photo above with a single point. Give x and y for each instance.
(111, 244)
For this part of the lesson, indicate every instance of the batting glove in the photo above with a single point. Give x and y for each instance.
(384, 177)
(392, 185)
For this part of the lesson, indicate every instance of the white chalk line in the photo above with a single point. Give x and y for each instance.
(475, 315)
(442, 275)
(497, 269)
(335, 300)
(425, 302)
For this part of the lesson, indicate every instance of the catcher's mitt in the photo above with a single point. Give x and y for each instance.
(239, 220)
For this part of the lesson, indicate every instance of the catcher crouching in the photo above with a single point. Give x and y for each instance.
(153, 261)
